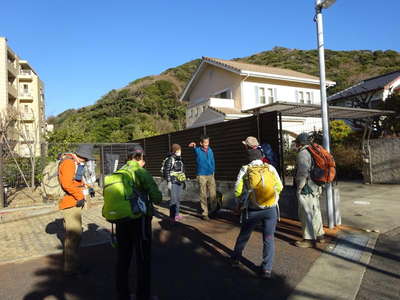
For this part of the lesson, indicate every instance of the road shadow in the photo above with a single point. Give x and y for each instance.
(186, 264)
(195, 266)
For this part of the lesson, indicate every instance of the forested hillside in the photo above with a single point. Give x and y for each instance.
(149, 106)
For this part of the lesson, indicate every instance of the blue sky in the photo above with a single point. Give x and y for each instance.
(83, 49)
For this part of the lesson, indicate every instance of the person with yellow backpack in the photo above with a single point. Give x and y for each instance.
(257, 187)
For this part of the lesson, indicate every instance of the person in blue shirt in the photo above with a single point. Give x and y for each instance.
(205, 169)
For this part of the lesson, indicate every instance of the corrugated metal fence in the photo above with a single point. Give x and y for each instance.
(225, 140)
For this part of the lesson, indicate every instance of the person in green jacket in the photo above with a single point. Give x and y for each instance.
(136, 234)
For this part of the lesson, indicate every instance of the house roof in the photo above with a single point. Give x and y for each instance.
(367, 85)
(246, 67)
(252, 70)
(218, 114)
(314, 111)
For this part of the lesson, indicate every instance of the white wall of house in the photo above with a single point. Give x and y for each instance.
(213, 81)
(253, 93)
(298, 125)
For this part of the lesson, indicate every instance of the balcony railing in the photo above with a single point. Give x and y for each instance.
(12, 68)
(25, 94)
(12, 90)
(27, 116)
(25, 72)
(220, 102)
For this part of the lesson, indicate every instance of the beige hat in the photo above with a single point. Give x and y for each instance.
(251, 142)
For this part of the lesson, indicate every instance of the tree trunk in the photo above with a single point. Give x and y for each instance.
(2, 197)
(33, 173)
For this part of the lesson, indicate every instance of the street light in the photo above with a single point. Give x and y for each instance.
(325, 4)
(319, 5)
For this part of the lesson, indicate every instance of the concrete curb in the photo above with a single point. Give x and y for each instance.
(33, 211)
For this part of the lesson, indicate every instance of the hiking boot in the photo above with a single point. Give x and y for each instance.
(265, 274)
(304, 244)
(235, 262)
(321, 239)
(205, 218)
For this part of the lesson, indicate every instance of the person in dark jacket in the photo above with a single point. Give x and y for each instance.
(174, 173)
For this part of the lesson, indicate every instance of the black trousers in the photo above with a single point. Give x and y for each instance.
(134, 235)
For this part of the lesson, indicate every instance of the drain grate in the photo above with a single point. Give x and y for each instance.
(351, 246)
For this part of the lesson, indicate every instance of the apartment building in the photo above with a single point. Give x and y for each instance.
(22, 92)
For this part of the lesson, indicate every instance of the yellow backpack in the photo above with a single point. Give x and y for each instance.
(263, 185)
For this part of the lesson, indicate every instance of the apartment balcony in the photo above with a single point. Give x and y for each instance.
(25, 75)
(25, 97)
(27, 117)
(12, 68)
(12, 90)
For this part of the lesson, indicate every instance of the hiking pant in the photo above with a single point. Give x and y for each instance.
(207, 184)
(73, 232)
(134, 235)
(175, 200)
(268, 218)
(310, 216)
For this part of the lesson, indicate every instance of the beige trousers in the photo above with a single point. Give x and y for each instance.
(73, 232)
(310, 216)
(207, 185)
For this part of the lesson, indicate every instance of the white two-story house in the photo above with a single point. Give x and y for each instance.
(220, 90)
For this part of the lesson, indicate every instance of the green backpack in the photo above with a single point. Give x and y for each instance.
(121, 200)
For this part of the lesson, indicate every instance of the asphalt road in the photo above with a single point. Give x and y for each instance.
(190, 262)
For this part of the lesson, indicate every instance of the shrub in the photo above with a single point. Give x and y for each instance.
(348, 161)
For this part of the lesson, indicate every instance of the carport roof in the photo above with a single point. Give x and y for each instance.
(314, 111)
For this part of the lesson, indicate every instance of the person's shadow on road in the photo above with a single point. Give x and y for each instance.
(57, 227)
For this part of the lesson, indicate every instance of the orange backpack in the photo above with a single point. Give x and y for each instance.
(324, 166)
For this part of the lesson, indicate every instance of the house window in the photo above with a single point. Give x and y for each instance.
(261, 95)
(26, 88)
(301, 96)
(308, 98)
(223, 95)
(270, 93)
(26, 108)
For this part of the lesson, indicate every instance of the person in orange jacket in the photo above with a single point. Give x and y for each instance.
(70, 175)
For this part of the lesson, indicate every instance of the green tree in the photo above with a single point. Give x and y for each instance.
(339, 131)
(63, 138)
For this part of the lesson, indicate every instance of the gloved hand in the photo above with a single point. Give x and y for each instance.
(80, 203)
(300, 184)
(91, 192)
(169, 185)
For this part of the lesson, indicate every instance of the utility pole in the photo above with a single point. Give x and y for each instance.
(319, 5)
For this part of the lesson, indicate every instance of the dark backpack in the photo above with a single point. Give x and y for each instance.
(270, 155)
(162, 170)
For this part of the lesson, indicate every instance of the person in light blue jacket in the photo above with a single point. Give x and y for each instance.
(205, 169)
